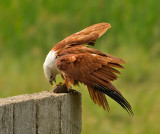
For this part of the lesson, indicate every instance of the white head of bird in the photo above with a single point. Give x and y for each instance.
(49, 66)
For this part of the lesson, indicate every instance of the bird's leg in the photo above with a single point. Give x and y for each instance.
(62, 83)
(66, 82)
(63, 87)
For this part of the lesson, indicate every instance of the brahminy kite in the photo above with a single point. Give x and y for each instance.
(77, 63)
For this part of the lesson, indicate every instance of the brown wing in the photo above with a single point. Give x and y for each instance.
(96, 72)
(86, 35)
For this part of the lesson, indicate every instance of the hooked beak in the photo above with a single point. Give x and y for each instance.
(51, 80)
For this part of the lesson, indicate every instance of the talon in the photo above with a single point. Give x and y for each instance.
(60, 84)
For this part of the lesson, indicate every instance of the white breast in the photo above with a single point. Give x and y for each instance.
(49, 65)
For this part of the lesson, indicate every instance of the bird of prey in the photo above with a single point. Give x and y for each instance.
(77, 63)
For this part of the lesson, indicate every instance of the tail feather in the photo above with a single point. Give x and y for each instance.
(98, 98)
(115, 96)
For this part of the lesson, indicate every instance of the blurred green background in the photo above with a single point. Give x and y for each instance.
(29, 29)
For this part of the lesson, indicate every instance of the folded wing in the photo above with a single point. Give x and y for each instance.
(97, 72)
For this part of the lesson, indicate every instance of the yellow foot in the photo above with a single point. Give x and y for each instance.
(60, 84)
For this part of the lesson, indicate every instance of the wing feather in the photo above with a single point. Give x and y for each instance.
(115, 65)
(87, 35)
(96, 72)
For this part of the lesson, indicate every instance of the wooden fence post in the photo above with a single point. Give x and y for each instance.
(41, 113)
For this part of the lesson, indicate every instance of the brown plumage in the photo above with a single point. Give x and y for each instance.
(78, 63)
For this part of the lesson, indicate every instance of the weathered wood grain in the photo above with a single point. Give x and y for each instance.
(41, 113)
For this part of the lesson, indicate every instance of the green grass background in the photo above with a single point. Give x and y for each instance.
(29, 29)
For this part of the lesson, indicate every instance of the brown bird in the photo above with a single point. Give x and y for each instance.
(79, 64)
